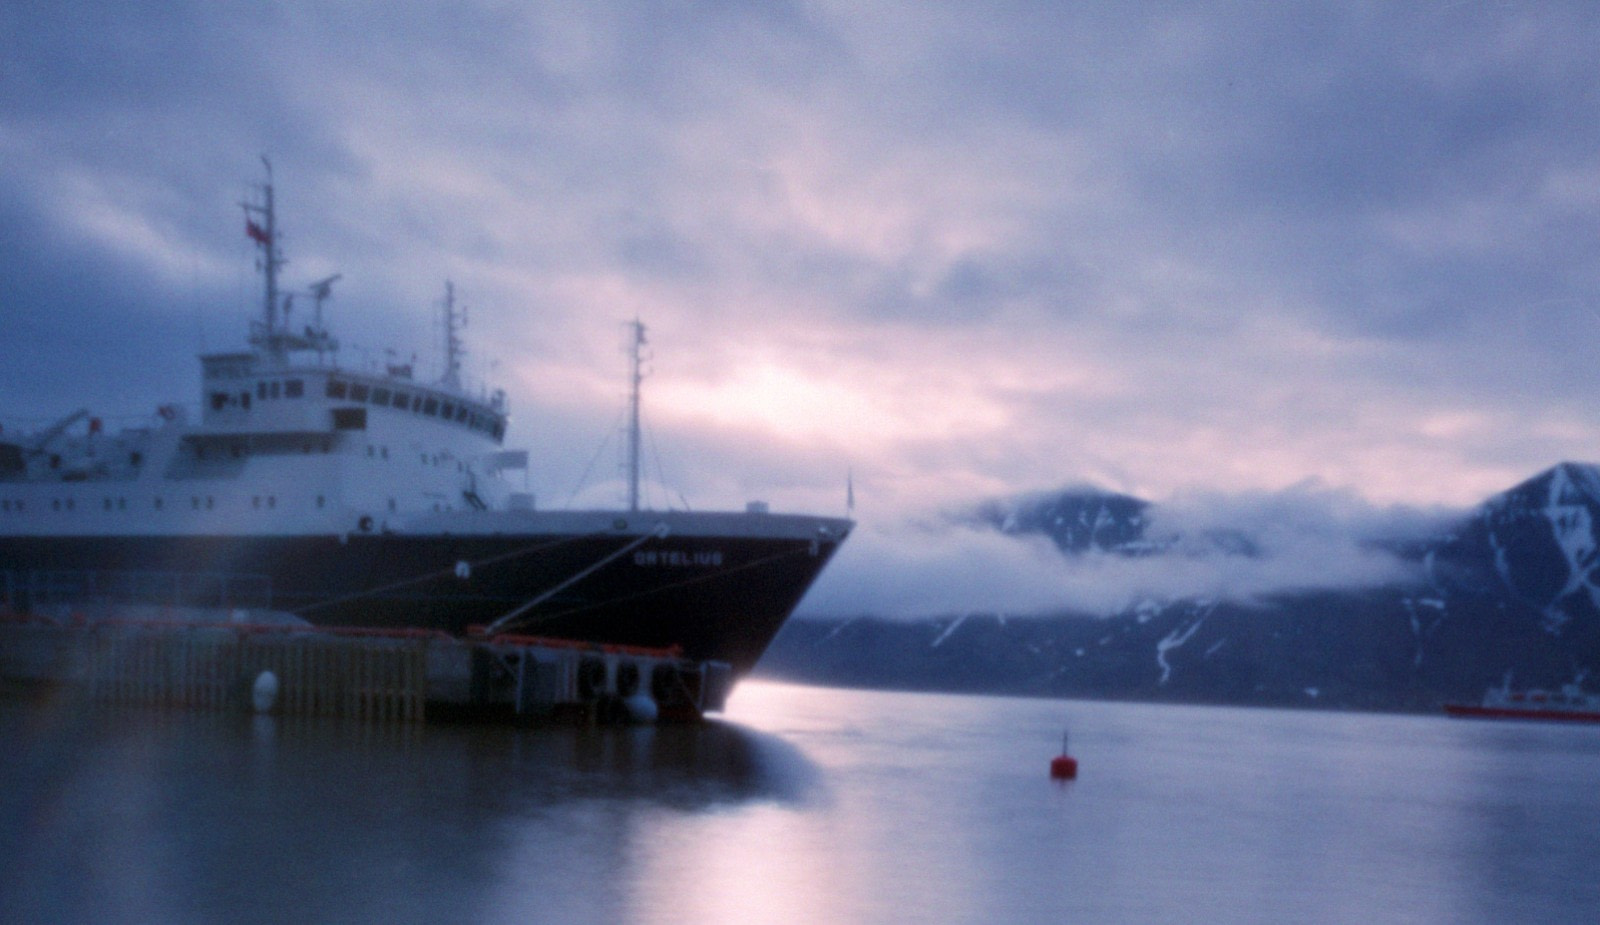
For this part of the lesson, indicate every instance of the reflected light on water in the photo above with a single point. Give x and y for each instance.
(802, 805)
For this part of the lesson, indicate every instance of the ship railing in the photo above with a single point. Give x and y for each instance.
(35, 588)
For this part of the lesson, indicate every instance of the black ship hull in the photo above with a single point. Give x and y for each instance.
(714, 597)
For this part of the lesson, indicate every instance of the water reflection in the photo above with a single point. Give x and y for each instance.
(852, 806)
(145, 815)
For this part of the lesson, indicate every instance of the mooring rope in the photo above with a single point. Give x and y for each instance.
(445, 572)
(659, 531)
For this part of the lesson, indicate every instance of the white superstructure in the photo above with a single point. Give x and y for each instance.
(287, 442)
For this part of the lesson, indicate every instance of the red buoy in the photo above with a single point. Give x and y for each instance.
(1063, 766)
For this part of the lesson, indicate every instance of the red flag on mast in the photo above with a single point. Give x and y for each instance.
(256, 233)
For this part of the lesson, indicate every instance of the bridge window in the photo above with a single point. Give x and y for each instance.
(348, 419)
(337, 388)
(380, 396)
(294, 388)
(358, 392)
(219, 400)
(447, 411)
(430, 406)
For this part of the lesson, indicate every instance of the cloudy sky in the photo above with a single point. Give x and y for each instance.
(1345, 251)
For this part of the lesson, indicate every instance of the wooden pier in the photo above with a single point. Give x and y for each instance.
(396, 676)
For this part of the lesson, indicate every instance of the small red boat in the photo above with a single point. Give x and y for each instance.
(1570, 704)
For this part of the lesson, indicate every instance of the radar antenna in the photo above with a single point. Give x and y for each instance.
(320, 291)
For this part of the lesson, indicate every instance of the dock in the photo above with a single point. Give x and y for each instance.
(367, 674)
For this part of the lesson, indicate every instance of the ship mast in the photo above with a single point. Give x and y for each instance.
(636, 351)
(265, 234)
(271, 335)
(453, 351)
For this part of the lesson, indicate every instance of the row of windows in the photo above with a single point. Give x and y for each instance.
(239, 451)
(266, 390)
(383, 396)
(291, 388)
(196, 502)
(428, 459)
(431, 405)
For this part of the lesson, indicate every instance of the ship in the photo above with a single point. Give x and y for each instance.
(1569, 704)
(353, 496)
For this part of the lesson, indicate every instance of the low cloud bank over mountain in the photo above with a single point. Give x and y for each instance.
(1087, 551)
(1303, 597)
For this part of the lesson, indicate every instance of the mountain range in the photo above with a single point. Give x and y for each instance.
(1506, 590)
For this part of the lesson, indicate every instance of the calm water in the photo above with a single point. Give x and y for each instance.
(804, 805)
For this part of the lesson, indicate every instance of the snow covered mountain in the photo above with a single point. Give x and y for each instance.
(1511, 587)
(1078, 520)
